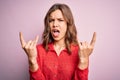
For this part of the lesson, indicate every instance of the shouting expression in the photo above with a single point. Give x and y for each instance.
(58, 25)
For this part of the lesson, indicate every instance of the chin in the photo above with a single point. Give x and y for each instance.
(56, 39)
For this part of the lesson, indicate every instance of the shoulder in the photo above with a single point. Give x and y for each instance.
(74, 47)
(40, 47)
(40, 51)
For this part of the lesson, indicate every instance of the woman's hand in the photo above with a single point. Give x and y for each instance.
(85, 51)
(31, 51)
(29, 47)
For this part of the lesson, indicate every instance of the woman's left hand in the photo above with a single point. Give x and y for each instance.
(85, 51)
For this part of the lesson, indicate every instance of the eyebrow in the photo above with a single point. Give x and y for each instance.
(57, 18)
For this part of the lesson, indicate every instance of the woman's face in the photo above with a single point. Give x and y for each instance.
(58, 25)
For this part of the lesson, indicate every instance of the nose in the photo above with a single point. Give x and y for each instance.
(55, 24)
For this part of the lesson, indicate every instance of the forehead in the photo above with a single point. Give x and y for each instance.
(56, 14)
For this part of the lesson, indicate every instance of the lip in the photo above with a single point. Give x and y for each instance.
(55, 32)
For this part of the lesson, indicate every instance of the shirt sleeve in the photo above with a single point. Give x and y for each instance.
(81, 74)
(37, 75)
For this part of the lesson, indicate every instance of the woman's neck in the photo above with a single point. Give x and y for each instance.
(59, 46)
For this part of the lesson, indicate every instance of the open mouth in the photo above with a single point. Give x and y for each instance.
(55, 32)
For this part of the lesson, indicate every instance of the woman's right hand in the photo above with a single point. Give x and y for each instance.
(29, 47)
(31, 51)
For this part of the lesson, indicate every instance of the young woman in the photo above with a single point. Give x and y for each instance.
(60, 56)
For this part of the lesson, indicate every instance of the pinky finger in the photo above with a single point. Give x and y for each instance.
(81, 45)
(35, 41)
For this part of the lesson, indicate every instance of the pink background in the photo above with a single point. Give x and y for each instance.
(102, 16)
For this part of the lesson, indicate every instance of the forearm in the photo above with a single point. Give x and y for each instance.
(83, 63)
(33, 64)
(81, 72)
(35, 70)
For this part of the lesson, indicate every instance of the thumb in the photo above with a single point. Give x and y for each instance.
(36, 39)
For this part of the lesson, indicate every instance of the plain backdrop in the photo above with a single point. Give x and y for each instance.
(27, 16)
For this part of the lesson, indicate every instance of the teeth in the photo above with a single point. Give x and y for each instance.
(56, 31)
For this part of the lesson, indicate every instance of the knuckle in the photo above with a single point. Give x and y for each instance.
(26, 47)
(90, 47)
(23, 47)
(31, 48)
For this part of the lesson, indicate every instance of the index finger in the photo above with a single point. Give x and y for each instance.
(36, 39)
(92, 43)
(22, 39)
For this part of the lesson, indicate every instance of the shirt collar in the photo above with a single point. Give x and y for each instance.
(51, 47)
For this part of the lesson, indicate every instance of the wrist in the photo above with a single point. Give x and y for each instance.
(83, 63)
(33, 64)
(32, 61)
(83, 60)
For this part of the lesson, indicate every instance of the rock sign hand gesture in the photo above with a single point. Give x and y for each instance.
(31, 51)
(85, 51)
(30, 46)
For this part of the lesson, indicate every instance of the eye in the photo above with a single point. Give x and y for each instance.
(51, 20)
(60, 19)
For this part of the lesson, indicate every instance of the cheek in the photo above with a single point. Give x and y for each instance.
(64, 29)
(50, 25)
